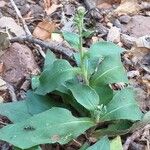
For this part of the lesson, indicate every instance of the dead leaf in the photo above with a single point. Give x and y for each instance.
(104, 6)
(2, 85)
(108, 1)
(114, 35)
(128, 7)
(10, 24)
(2, 4)
(1, 67)
(57, 37)
(44, 30)
(47, 4)
(53, 8)
(1, 99)
(143, 41)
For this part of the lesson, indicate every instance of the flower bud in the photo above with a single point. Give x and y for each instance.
(81, 10)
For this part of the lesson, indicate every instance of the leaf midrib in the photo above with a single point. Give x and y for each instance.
(98, 78)
(130, 104)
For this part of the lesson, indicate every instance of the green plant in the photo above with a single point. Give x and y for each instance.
(84, 92)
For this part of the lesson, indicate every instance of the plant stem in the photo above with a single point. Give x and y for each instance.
(82, 57)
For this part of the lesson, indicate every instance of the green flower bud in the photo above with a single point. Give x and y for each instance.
(81, 11)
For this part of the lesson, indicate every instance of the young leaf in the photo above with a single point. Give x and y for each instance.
(104, 49)
(105, 94)
(84, 95)
(22, 110)
(72, 39)
(110, 71)
(55, 125)
(116, 144)
(35, 82)
(49, 59)
(52, 78)
(102, 144)
(92, 62)
(123, 106)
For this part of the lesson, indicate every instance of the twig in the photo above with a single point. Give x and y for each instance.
(21, 18)
(52, 45)
(28, 33)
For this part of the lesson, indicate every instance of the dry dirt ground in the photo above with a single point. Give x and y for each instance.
(126, 23)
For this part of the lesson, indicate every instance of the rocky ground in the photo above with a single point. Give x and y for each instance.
(124, 22)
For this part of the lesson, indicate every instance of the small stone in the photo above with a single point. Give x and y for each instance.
(117, 23)
(114, 35)
(18, 63)
(109, 24)
(124, 19)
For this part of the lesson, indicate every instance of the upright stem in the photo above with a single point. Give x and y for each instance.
(82, 57)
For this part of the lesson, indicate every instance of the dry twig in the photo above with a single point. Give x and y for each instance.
(52, 45)
(25, 26)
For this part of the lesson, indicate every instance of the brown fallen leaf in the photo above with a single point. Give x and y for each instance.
(108, 1)
(128, 7)
(104, 6)
(44, 30)
(47, 4)
(53, 8)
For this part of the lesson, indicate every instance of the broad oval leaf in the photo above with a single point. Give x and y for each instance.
(122, 106)
(105, 94)
(110, 71)
(55, 125)
(22, 110)
(72, 39)
(32, 148)
(104, 49)
(84, 95)
(52, 78)
(102, 144)
(116, 144)
(49, 59)
(119, 127)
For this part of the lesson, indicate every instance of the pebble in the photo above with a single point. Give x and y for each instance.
(114, 35)
(124, 19)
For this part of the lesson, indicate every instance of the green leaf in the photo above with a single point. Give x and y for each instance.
(22, 110)
(55, 125)
(105, 94)
(72, 39)
(122, 106)
(52, 78)
(32, 148)
(84, 95)
(35, 82)
(116, 144)
(109, 71)
(120, 127)
(49, 59)
(84, 146)
(104, 49)
(102, 144)
(92, 62)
